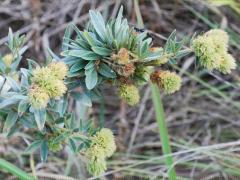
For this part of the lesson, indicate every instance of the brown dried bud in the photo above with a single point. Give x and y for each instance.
(126, 70)
(122, 57)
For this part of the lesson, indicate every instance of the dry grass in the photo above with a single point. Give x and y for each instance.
(203, 118)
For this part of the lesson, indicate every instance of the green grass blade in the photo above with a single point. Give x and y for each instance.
(163, 132)
(14, 170)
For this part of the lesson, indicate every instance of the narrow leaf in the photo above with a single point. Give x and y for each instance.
(44, 151)
(91, 78)
(40, 118)
(10, 121)
(106, 71)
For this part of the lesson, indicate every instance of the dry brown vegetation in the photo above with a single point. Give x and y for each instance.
(203, 118)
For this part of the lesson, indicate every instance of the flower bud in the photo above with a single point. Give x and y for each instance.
(129, 93)
(7, 59)
(122, 57)
(53, 146)
(142, 74)
(127, 70)
(155, 49)
(168, 81)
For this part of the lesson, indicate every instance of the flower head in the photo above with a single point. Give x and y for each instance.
(102, 146)
(59, 69)
(129, 93)
(53, 146)
(105, 139)
(7, 59)
(47, 80)
(57, 89)
(170, 82)
(38, 98)
(227, 63)
(42, 76)
(211, 49)
(97, 166)
(220, 38)
(205, 50)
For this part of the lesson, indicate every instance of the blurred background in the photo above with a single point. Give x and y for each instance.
(203, 118)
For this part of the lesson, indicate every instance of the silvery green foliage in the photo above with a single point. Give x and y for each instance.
(88, 56)
(16, 113)
(89, 53)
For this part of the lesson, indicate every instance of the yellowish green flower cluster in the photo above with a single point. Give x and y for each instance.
(168, 81)
(142, 74)
(103, 146)
(38, 97)
(47, 83)
(7, 59)
(129, 93)
(53, 146)
(212, 50)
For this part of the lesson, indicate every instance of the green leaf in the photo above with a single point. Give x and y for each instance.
(90, 65)
(119, 19)
(44, 151)
(102, 51)
(144, 49)
(77, 66)
(10, 121)
(10, 38)
(72, 145)
(62, 106)
(171, 38)
(98, 23)
(14, 170)
(86, 55)
(40, 118)
(7, 102)
(88, 38)
(153, 56)
(82, 98)
(91, 78)
(22, 107)
(33, 146)
(66, 37)
(14, 85)
(106, 71)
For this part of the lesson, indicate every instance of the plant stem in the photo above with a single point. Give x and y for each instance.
(9, 167)
(32, 165)
(163, 132)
